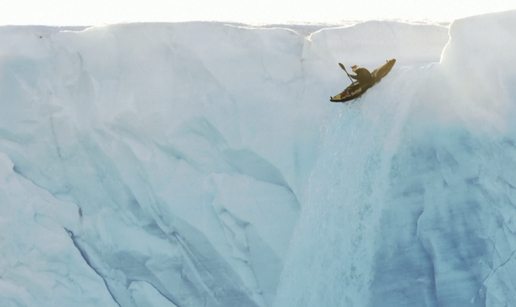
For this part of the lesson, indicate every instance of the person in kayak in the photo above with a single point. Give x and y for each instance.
(363, 76)
(362, 81)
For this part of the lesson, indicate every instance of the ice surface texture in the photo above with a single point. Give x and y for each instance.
(191, 164)
(412, 199)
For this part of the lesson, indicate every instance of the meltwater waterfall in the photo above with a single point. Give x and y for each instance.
(412, 200)
(201, 164)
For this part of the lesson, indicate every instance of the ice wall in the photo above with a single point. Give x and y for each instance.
(412, 197)
(180, 152)
(178, 148)
(168, 165)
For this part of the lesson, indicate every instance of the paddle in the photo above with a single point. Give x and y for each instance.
(342, 66)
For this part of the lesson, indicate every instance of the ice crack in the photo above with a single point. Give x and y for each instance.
(86, 258)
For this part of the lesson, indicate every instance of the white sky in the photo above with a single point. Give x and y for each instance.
(92, 12)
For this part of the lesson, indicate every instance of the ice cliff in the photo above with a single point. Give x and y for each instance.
(201, 164)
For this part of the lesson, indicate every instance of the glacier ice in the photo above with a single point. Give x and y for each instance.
(414, 201)
(200, 164)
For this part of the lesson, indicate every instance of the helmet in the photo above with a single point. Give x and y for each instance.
(354, 67)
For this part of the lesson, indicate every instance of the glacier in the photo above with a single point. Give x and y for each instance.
(201, 164)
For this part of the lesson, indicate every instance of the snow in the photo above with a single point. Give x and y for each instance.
(201, 164)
